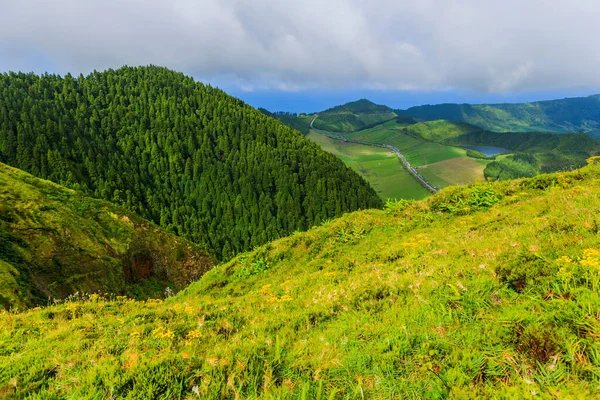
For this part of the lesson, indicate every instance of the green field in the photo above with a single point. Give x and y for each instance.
(457, 171)
(378, 166)
(417, 151)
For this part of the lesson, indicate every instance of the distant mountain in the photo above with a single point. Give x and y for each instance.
(187, 156)
(353, 116)
(362, 106)
(559, 116)
(55, 242)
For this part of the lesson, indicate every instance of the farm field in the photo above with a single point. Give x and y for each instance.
(380, 167)
(457, 171)
(417, 151)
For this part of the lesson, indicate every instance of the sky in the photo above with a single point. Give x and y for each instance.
(309, 55)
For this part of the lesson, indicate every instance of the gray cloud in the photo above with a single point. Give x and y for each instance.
(483, 45)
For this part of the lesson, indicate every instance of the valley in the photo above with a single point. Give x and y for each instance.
(428, 164)
(379, 166)
(443, 152)
(296, 200)
(162, 239)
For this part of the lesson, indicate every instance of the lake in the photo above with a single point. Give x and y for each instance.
(487, 150)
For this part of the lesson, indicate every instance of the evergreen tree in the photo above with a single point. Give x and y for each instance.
(185, 155)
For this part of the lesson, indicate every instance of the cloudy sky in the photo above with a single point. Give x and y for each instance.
(286, 54)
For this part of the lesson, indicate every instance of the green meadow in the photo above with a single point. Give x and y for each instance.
(380, 167)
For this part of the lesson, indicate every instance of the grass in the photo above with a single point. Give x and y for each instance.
(456, 171)
(418, 152)
(55, 242)
(440, 130)
(485, 291)
(444, 165)
(380, 167)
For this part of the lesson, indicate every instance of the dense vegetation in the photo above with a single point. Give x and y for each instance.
(55, 242)
(353, 116)
(483, 291)
(182, 154)
(566, 115)
(512, 166)
(477, 154)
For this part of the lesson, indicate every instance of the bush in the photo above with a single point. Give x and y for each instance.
(463, 201)
(477, 154)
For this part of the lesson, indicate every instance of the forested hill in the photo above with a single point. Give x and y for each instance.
(185, 155)
(565, 115)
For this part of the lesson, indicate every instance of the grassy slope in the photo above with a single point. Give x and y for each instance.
(378, 166)
(456, 171)
(440, 130)
(54, 242)
(418, 152)
(437, 298)
(565, 115)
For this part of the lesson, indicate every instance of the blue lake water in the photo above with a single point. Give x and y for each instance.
(487, 150)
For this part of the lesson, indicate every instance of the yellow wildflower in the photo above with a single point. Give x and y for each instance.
(591, 259)
(564, 260)
(162, 333)
(266, 289)
(284, 298)
(194, 334)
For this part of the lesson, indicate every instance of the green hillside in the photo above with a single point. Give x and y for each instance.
(55, 242)
(486, 291)
(566, 115)
(439, 131)
(181, 154)
(300, 123)
(353, 116)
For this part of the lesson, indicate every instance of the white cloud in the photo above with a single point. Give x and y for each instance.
(484, 45)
